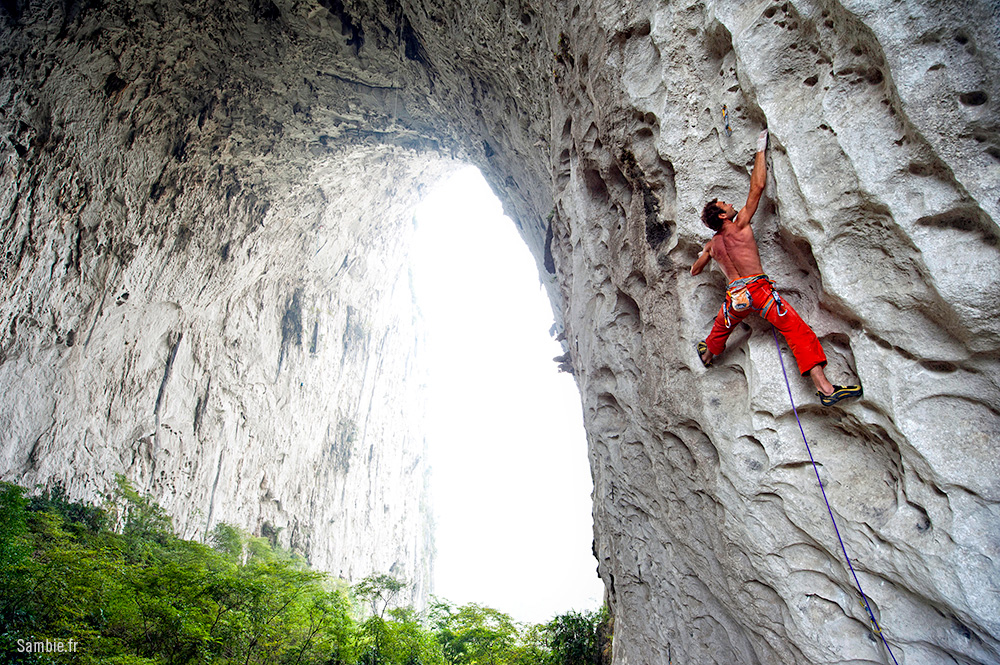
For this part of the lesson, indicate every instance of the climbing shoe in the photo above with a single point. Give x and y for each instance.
(702, 350)
(839, 393)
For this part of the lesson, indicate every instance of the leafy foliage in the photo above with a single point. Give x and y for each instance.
(127, 591)
(580, 639)
(478, 635)
(380, 591)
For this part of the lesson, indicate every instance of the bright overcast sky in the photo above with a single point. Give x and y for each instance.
(510, 477)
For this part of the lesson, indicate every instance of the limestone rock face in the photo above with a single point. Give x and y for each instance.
(223, 317)
(880, 226)
(205, 213)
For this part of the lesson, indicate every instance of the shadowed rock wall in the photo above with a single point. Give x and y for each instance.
(205, 279)
(244, 173)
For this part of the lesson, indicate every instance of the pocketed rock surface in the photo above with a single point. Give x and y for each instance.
(205, 212)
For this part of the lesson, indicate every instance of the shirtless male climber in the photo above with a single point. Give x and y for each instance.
(735, 249)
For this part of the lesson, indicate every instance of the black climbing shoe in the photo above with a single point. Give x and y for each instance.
(839, 393)
(702, 350)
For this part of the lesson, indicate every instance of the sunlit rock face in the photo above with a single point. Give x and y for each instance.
(245, 174)
(879, 224)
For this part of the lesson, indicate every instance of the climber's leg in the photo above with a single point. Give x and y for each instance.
(724, 325)
(804, 344)
(819, 380)
(800, 337)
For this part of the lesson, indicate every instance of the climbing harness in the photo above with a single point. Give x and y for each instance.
(740, 299)
(725, 120)
(738, 296)
(864, 599)
(774, 300)
(743, 282)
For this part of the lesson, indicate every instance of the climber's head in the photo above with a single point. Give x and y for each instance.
(715, 213)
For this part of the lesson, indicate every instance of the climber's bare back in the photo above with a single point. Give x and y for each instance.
(734, 247)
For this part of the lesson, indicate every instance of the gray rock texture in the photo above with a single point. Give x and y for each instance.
(205, 212)
(194, 302)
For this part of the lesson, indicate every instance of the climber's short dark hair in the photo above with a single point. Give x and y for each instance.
(713, 215)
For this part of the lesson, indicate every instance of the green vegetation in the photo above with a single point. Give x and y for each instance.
(81, 584)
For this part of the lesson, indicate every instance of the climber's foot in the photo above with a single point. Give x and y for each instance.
(839, 393)
(704, 354)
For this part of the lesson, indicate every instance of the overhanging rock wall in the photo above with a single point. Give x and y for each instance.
(879, 226)
(203, 294)
(245, 172)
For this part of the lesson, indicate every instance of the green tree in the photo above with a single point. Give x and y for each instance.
(132, 593)
(533, 648)
(477, 635)
(378, 591)
(579, 638)
(75, 514)
(229, 540)
(17, 570)
(326, 627)
(410, 642)
(138, 517)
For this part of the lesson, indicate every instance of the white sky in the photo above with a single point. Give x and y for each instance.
(510, 477)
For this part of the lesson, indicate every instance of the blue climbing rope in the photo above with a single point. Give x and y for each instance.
(864, 598)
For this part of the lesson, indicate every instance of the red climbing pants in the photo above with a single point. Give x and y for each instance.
(756, 294)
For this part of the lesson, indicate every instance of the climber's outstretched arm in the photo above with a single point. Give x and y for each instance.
(758, 180)
(702, 260)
